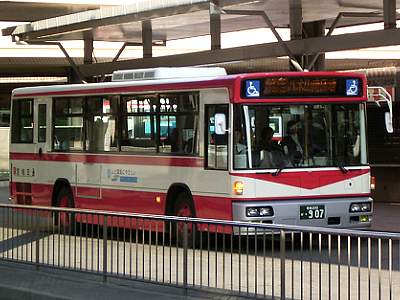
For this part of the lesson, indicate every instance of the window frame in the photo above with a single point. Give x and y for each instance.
(158, 114)
(121, 116)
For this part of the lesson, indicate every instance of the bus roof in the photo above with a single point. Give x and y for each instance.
(171, 84)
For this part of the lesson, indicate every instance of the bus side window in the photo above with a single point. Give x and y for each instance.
(179, 123)
(68, 124)
(22, 121)
(100, 124)
(139, 130)
(216, 144)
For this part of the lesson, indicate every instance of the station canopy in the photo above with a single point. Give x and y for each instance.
(179, 19)
(33, 10)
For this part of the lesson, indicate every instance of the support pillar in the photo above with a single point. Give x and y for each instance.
(147, 38)
(296, 26)
(73, 76)
(88, 52)
(314, 29)
(215, 27)
(389, 13)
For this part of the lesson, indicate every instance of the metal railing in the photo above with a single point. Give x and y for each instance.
(258, 260)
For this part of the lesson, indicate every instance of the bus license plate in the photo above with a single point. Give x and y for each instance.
(309, 212)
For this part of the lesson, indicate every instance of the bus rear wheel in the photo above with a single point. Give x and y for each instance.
(65, 220)
(183, 207)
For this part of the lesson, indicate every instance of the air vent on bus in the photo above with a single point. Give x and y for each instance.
(166, 73)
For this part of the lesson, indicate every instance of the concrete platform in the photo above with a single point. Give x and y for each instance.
(19, 281)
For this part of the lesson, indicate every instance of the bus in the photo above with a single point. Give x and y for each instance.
(278, 148)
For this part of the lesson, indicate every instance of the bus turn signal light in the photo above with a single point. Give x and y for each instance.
(238, 188)
(158, 199)
(372, 184)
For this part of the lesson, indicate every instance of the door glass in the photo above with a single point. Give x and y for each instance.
(216, 144)
(42, 123)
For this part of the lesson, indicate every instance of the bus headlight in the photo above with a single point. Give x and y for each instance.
(252, 212)
(366, 207)
(355, 207)
(266, 211)
(360, 207)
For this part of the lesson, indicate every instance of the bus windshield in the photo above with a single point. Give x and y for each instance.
(299, 136)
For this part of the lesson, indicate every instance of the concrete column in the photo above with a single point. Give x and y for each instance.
(215, 27)
(314, 29)
(296, 25)
(87, 55)
(389, 13)
(72, 76)
(88, 50)
(147, 39)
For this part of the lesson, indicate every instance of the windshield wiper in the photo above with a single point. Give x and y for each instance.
(343, 169)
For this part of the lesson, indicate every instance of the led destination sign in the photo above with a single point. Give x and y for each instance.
(301, 87)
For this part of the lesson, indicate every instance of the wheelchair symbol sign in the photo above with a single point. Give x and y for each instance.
(253, 88)
(352, 86)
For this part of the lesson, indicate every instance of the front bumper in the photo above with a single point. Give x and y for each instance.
(287, 212)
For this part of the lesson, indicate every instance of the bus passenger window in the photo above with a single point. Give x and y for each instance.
(179, 123)
(68, 124)
(22, 121)
(100, 123)
(139, 130)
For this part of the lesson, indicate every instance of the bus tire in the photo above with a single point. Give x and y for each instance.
(183, 207)
(65, 220)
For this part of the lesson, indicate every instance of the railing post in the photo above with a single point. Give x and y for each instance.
(283, 267)
(105, 233)
(185, 256)
(37, 239)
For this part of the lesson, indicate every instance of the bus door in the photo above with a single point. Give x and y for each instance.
(41, 133)
(41, 136)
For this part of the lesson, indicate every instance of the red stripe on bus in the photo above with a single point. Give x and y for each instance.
(307, 179)
(193, 162)
(145, 202)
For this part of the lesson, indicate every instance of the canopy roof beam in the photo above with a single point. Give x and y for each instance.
(64, 51)
(271, 26)
(350, 41)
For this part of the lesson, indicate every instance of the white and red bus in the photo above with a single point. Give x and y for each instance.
(284, 148)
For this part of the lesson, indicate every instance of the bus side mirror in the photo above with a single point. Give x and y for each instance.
(220, 124)
(389, 122)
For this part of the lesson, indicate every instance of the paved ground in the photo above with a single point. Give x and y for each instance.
(25, 282)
